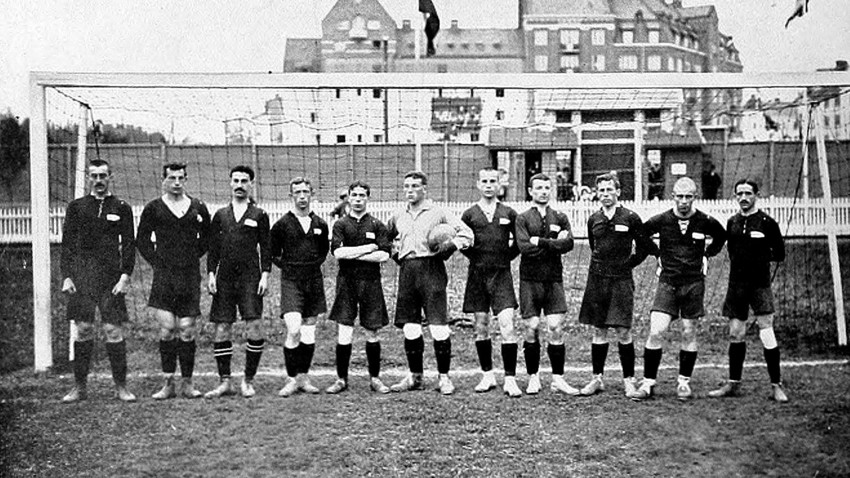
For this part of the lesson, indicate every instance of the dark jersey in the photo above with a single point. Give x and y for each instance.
(754, 242)
(682, 244)
(167, 241)
(239, 248)
(494, 246)
(617, 244)
(298, 253)
(542, 263)
(351, 232)
(98, 241)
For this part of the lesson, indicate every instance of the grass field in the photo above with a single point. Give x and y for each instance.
(423, 433)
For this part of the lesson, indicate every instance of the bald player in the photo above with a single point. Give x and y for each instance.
(687, 237)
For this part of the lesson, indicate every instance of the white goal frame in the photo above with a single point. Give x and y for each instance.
(41, 81)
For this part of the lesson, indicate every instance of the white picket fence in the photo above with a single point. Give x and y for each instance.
(795, 217)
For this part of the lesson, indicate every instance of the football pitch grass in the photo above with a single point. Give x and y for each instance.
(422, 433)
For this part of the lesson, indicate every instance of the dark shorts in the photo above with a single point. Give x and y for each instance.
(178, 292)
(740, 297)
(306, 296)
(113, 308)
(488, 289)
(546, 296)
(367, 295)
(233, 295)
(608, 302)
(422, 285)
(685, 301)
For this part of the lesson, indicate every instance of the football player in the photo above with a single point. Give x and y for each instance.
(489, 283)
(238, 265)
(299, 246)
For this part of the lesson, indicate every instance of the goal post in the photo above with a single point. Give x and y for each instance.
(345, 126)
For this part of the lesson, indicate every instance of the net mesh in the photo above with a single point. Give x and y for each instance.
(650, 136)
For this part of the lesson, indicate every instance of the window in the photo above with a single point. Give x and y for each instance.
(671, 66)
(376, 92)
(687, 65)
(678, 64)
(500, 92)
(654, 36)
(837, 121)
(359, 138)
(628, 36)
(653, 63)
(338, 93)
(374, 25)
(652, 116)
(314, 117)
(597, 36)
(569, 63)
(541, 37)
(569, 39)
(340, 138)
(563, 116)
(474, 137)
(318, 139)
(500, 115)
(541, 63)
(598, 62)
(628, 62)
(378, 138)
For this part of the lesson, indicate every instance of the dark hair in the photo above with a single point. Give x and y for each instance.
(538, 177)
(100, 162)
(751, 182)
(417, 175)
(299, 180)
(173, 167)
(360, 184)
(241, 168)
(612, 176)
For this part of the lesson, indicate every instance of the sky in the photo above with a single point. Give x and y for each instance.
(250, 35)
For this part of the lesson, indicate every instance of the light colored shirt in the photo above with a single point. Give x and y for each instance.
(411, 229)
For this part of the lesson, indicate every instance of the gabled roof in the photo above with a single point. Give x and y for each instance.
(301, 53)
(700, 11)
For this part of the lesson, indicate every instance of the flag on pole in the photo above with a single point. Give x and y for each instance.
(800, 8)
(432, 24)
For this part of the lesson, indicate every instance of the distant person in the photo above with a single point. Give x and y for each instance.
(422, 280)
(711, 182)
(504, 184)
(683, 253)
(238, 266)
(173, 235)
(655, 179)
(618, 245)
(360, 243)
(299, 246)
(562, 184)
(341, 208)
(98, 256)
(543, 235)
(489, 283)
(754, 242)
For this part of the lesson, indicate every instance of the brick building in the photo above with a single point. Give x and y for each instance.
(578, 134)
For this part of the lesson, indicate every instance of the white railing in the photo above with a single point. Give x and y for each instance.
(795, 217)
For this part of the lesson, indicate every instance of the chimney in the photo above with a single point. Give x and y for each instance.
(840, 65)
(520, 12)
(405, 24)
(454, 25)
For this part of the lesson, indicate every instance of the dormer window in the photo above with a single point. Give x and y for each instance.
(358, 28)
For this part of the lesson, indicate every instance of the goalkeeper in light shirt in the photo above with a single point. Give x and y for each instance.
(754, 242)
(422, 279)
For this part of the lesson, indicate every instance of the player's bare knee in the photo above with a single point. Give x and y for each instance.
(532, 329)
(600, 335)
(114, 333)
(168, 334)
(222, 332)
(440, 332)
(412, 331)
(482, 326)
(254, 329)
(344, 334)
(624, 335)
(764, 321)
(85, 331)
(737, 330)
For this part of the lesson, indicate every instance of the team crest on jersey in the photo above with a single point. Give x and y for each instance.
(698, 236)
(370, 235)
(113, 217)
(621, 228)
(757, 234)
(250, 223)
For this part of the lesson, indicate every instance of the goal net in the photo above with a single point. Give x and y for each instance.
(780, 130)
